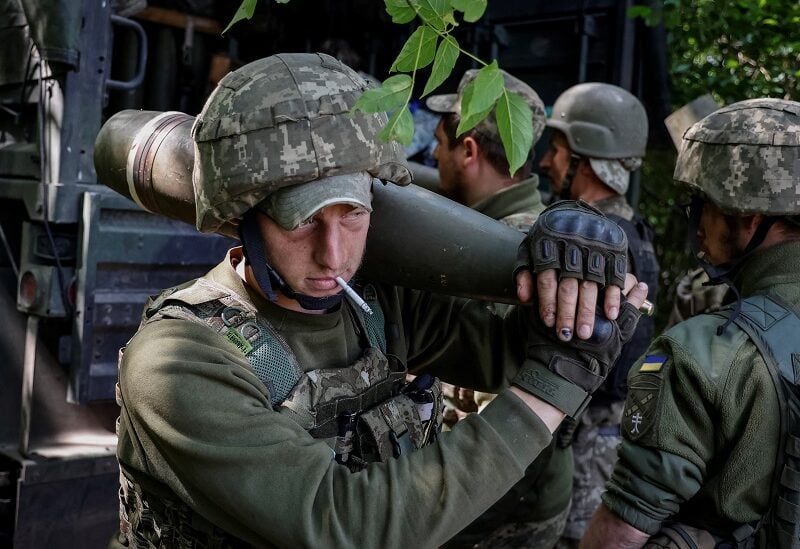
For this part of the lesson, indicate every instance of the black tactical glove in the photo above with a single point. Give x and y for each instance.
(566, 374)
(577, 240)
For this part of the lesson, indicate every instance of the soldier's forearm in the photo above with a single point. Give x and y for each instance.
(608, 530)
(550, 415)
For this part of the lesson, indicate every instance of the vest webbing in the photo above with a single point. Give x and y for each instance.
(387, 418)
(774, 327)
(267, 352)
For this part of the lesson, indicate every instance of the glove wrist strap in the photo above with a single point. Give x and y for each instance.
(550, 387)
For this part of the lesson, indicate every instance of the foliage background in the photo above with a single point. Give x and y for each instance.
(734, 50)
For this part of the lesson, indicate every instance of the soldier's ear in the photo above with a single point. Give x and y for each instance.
(471, 148)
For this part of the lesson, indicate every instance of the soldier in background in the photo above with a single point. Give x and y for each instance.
(695, 296)
(474, 171)
(710, 450)
(599, 138)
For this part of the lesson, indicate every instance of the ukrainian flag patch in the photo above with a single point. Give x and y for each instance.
(653, 363)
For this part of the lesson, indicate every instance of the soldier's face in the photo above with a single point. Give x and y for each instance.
(720, 237)
(556, 161)
(309, 258)
(450, 173)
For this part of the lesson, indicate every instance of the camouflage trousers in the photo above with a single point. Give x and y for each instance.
(594, 447)
(541, 534)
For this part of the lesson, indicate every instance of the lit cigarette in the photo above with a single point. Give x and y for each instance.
(354, 297)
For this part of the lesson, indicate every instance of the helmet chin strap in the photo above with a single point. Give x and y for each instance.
(566, 186)
(267, 277)
(724, 273)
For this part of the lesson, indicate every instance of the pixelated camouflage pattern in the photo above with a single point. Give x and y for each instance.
(147, 522)
(615, 172)
(601, 120)
(522, 221)
(615, 205)
(398, 416)
(279, 121)
(745, 157)
(541, 534)
(325, 385)
(594, 446)
(693, 297)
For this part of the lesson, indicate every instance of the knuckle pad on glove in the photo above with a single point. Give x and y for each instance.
(581, 242)
(545, 255)
(596, 267)
(617, 269)
(573, 261)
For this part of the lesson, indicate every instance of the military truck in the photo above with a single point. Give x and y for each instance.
(77, 260)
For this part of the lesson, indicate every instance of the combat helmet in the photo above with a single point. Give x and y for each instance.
(279, 134)
(601, 120)
(281, 121)
(607, 125)
(745, 157)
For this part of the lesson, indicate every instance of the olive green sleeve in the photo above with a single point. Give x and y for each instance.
(195, 418)
(465, 342)
(696, 418)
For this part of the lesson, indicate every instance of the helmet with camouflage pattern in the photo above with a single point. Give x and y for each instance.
(280, 121)
(745, 157)
(601, 120)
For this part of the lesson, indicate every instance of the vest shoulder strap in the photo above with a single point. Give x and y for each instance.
(273, 360)
(773, 327)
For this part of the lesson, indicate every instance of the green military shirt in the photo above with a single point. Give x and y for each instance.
(517, 206)
(197, 420)
(700, 426)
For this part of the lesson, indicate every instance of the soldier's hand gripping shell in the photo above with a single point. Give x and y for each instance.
(566, 374)
(578, 241)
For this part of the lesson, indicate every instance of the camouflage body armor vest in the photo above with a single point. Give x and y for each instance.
(366, 412)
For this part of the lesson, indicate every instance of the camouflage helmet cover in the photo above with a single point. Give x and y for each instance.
(601, 120)
(745, 157)
(281, 121)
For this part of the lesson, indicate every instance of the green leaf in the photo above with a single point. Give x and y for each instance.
(515, 124)
(473, 9)
(417, 52)
(393, 94)
(433, 12)
(400, 127)
(400, 11)
(480, 96)
(470, 119)
(245, 11)
(443, 63)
